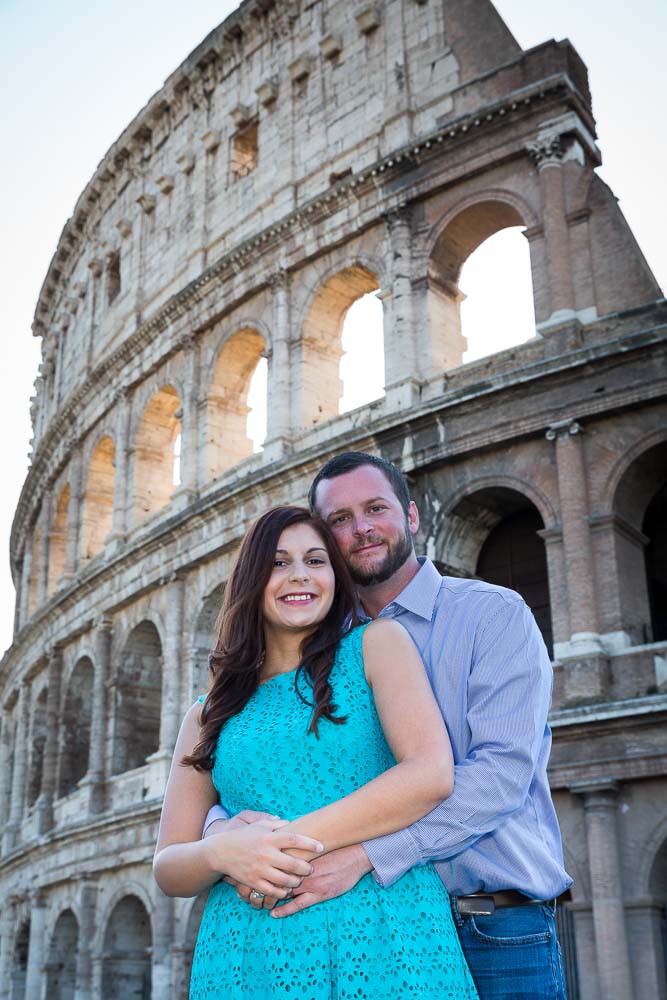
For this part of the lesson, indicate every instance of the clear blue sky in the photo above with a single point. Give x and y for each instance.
(74, 74)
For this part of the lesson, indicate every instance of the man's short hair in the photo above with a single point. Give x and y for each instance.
(351, 460)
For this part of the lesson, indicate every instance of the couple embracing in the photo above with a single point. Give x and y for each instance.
(377, 737)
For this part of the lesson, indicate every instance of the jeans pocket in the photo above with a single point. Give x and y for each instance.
(492, 930)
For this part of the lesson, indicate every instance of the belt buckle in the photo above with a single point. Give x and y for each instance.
(476, 906)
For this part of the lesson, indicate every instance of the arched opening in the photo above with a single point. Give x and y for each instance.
(154, 453)
(658, 893)
(35, 566)
(61, 964)
(20, 961)
(205, 640)
(640, 546)
(97, 508)
(257, 403)
(227, 437)
(75, 728)
(58, 539)
(362, 363)
(321, 343)
(126, 963)
(493, 535)
(37, 744)
(137, 696)
(498, 310)
(191, 932)
(459, 240)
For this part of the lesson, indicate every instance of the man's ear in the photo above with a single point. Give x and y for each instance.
(413, 518)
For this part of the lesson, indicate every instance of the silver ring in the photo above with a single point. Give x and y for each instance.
(256, 895)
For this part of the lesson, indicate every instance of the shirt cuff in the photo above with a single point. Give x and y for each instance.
(392, 856)
(216, 812)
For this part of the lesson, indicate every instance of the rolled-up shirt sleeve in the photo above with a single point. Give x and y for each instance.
(508, 699)
(216, 812)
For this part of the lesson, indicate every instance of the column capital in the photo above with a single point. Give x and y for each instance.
(279, 280)
(104, 623)
(597, 795)
(399, 215)
(546, 150)
(563, 429)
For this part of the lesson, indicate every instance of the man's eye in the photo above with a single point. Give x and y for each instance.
(377, 507)
(339, 519)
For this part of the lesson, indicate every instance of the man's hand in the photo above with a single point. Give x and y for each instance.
(333, 875)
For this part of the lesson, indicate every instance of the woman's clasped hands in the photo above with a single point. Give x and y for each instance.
(251, 853)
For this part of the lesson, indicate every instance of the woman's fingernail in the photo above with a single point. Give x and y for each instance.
(319, 848)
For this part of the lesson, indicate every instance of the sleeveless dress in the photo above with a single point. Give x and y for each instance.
(369, 944)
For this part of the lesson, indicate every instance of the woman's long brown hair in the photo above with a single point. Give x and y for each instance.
(237, 659)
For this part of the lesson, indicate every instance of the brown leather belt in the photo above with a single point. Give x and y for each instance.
(486, 903)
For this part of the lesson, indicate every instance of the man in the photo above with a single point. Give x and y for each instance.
(495, 841)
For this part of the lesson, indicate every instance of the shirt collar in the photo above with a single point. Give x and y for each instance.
(421, 593)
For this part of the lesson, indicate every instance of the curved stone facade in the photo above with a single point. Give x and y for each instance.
(303, 155)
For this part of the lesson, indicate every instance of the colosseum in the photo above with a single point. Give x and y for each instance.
(307, 153)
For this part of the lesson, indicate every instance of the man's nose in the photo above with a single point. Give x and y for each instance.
(362, 525)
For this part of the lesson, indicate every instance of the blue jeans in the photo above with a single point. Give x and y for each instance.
(513, 954)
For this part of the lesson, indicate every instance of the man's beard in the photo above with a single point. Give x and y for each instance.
(396, 556)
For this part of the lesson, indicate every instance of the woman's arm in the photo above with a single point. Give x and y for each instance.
(424, 773)
(252, 854)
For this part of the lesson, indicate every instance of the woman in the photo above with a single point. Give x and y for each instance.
(335, 730)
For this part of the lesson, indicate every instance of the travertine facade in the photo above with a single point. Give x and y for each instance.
(305, 154)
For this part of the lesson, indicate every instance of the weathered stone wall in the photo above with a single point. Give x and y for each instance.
(304, 155)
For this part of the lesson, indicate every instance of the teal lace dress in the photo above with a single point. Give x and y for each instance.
(371, 942)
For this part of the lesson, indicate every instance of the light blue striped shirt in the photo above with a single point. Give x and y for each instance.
(492, 678)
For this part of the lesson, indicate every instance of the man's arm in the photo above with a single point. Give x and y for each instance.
(509, 693)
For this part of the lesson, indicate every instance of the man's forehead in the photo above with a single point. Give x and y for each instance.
(359, 486)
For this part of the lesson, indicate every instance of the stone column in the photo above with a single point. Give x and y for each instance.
(547, 154)
(189, 425)
(7, 930)
(23, 599)
(163, 934)
(279, 390)
(173, 666)
(122, 487)
(613, 959)
(5, 776)
(43, 554)
(95, 779)
(574, 511)
(407, 356)
(73, 517)
(83, 989)
(34, 981)
(19, 770)
(45, 803)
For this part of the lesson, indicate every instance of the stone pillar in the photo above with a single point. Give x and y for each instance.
(83, 989)
(279, 403)
(7, 931)
(574, 512)
(173, 663)
(407, 355)
(73, 518)
(19, 770)
(95, 779)
(189, 425)
(5, 776)
(34, 981)
(23, 599)
(613, 959)
(43, 554)
(122, 495)
(45, 803)
(163, 934)
(547, 154)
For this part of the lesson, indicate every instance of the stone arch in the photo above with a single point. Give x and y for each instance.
(58, 538)
(137, 698)
(227, 442)
(37, 744)
(20, 961)
(203, 640)
(97, 506)
(638, 521)
(75, 727)
(493, 532)
(154, 457)
(455, 237)
(62, 957)
(126, 956)
(320, 345)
